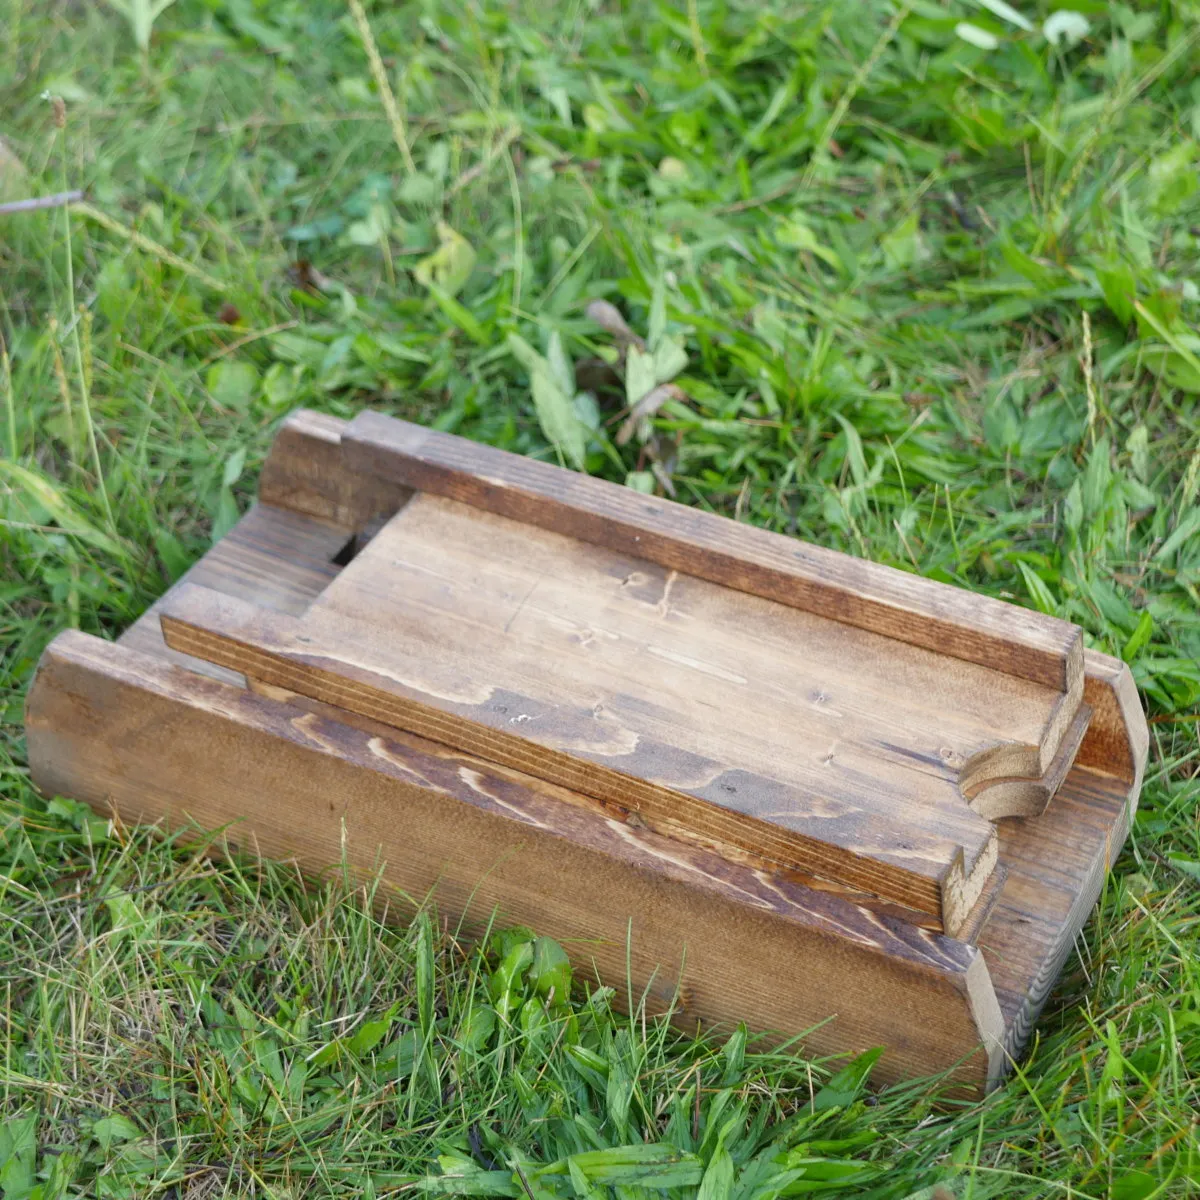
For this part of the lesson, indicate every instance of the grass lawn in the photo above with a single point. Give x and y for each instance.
(929, 274)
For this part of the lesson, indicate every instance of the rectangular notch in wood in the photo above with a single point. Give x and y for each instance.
(711, 714)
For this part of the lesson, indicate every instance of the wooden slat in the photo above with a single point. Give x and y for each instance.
(124, 729)
(1056, 868)
(904, 607)
(305, 473)
(505, 595)
(280, 559)
(345, 662)
(721, 942)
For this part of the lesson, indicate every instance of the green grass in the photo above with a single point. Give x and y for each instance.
(939, 308)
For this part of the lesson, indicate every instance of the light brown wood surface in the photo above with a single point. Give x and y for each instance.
(818, 745)
(903, 607)
(129, 732)
(143, 730)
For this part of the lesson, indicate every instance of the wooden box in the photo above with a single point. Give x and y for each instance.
(755, 779)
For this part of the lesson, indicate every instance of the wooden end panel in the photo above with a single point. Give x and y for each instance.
(1118, 738)
(306, 473)
(884, 600)
(129, 733)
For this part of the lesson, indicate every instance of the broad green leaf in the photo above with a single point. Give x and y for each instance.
(525, 354)
(1172, 178)
(845, 1087)
(450, 265)
(116, 1128)
(645, 1165)
(425, 972)
(717, 1183)
(669, 359)
(1073, 508)
(458, 315)
(658, 313)
(18, 1155)
(796, 232)
(562, 371)
(558, 418)
(374, 227)
(550, 970)
(1006, 12)
(1138, 449)
(854, 451)
(1139, 638)
(368, 1035)
(904, 246)
(464, 1177)
(1185, 531)
(1042, 596)
(640, 374)
(141, 15)
(619, 1092)
(232, 470)
(1119, 285)
(1191, 868)
(505, 984)
(479, 1027)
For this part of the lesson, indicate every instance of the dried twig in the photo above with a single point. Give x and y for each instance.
(58, 200)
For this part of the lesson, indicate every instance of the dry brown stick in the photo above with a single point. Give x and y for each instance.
(34, 203)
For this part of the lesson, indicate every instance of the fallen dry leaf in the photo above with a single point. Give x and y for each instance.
(609, 318)
(645, 408)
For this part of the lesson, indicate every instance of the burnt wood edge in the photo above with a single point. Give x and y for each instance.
(85, 740)
(307, 472)
(348, 471)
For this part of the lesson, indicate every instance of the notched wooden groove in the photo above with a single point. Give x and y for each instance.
(998, 796)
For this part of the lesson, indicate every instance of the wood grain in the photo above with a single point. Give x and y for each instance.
(305, 473)
(347, 663)
(821, 746)
(124, 727)
(126, 731)
(867, 595)
(1050, 869)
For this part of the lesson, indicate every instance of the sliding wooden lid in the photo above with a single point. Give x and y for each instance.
(720, 683)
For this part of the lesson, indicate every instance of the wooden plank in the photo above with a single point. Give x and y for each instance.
(280, 559)
(1056, 868)
(128, 732)
(1118, 738)
(999, 797)
(506, 594)
(804, 725)
(305, 473)
(1051, 868)
(904, 607)
(82, 745)
(348, 663)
